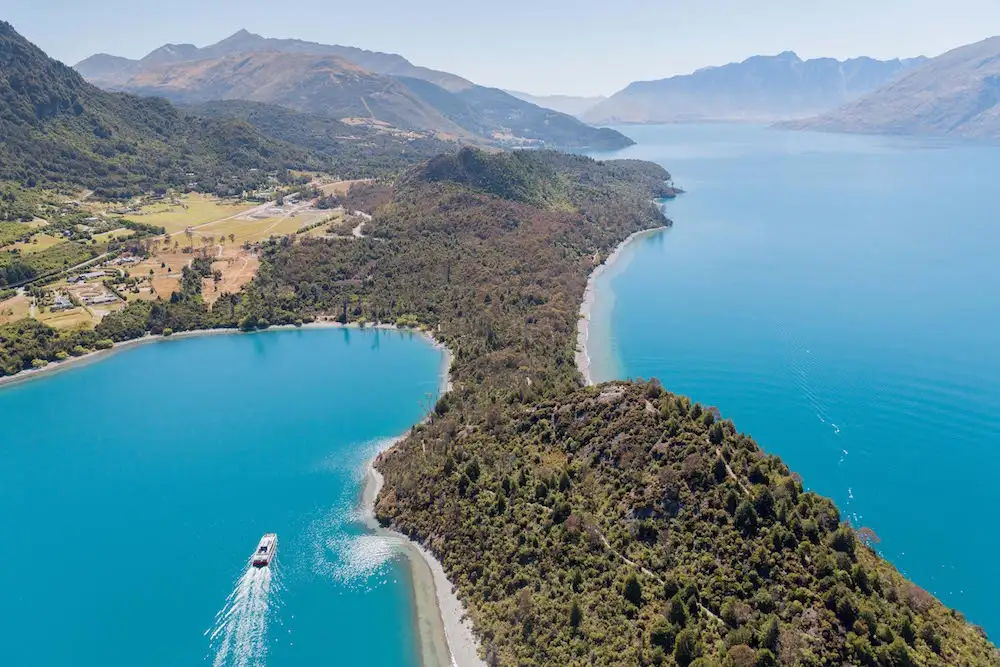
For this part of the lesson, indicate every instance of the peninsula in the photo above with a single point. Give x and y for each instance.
(605, 525)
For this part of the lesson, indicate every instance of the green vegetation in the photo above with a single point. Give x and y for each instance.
(16, 203)
(581, 526)
(26, 341)
(353, 151)
(728, 560)
(16, 268)
(12, 231)
(60, 131)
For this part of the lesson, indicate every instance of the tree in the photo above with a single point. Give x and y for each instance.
(868, 537)
(742, 655)
(633, 590)
(895, 654)
(770, 634)
(677, 611)
(686, 647)
(746, 518)
(575, 614)
(663, 634)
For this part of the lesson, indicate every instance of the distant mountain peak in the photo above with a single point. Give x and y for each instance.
(241, 37)
(957, 93)
(761, 88)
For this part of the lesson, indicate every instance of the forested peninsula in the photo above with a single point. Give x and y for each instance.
(608, 525)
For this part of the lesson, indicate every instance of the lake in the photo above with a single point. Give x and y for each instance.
(837, 297)
(134, 490)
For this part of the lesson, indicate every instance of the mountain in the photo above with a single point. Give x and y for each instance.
(342, 81)
(568, 104)
(304, 82)
(96, 68)
(759, 88)
(956, 94)
(59, 130)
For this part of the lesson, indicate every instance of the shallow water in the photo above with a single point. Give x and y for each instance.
(133, 491)
(837, 297)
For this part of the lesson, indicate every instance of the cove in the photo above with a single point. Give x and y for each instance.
(836, 296)
(134, 490)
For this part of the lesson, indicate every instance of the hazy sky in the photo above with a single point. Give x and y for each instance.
(540, 46)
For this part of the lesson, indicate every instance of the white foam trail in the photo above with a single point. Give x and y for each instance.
(239, 636)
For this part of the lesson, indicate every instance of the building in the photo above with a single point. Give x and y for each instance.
(62, 302)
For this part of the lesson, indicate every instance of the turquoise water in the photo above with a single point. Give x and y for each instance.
(133, 491)
(837, 297)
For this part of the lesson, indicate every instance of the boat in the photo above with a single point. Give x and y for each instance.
(266, 550)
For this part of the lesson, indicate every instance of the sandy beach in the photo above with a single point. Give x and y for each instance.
(446, 637)
(589, 297)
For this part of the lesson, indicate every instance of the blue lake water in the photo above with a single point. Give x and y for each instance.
(133, 491)
(838, 297)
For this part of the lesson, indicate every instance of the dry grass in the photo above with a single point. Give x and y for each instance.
(15, 308)
(67, 319)
(106, 237)
(254, 230)
(192, 210)
(340, 187)
(237, 270)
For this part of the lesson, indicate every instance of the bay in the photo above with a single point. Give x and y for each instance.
(133, 491)
(837, 297)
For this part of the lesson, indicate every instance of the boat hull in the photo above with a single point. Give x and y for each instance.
(266, 550)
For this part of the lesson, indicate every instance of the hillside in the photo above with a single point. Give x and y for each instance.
(759, 88)
(309, 83)
(956, 94)
(353, 151)
(341, 81)
(568, 104)
(59, 130)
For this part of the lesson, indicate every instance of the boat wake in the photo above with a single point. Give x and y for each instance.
(239, 636)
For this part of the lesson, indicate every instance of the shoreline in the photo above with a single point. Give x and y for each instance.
(582, 356)
(444, 631)
(97, 355)
(446, 640)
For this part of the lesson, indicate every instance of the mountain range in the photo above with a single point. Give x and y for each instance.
(60, 131)
(761, 88)
(956, 94)
(360, 86)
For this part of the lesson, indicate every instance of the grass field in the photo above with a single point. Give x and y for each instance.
(116, 233)
(194, 209)
(37, 243)
(236, 270)
(67, 319)
(254, 230)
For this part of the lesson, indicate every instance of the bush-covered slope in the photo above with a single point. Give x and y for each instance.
(544, 178)
(624, 525)
(59, 130)
(353, 151)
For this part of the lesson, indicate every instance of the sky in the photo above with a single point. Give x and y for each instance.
(574, 47)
